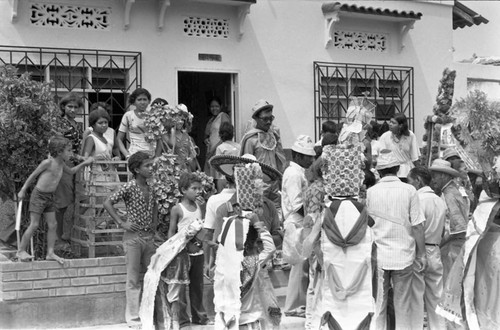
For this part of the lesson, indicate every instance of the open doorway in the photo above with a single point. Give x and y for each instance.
(195, 90)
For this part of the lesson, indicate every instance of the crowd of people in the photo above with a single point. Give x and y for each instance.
(373, 238)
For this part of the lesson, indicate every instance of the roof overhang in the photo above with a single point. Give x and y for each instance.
(464, 16)
(334, 11)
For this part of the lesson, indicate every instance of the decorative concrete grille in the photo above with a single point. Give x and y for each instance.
(206, 27)
(68, 16)
(360, 41)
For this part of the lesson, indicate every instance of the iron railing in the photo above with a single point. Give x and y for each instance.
(97, 75)
(390, 88)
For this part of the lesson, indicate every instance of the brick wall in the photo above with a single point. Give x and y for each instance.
(39, 279)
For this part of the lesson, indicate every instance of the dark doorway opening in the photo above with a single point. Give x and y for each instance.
(195, 91)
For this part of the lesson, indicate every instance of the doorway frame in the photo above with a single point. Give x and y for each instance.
(235, 88)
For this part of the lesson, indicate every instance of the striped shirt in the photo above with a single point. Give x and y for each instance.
(394, 206)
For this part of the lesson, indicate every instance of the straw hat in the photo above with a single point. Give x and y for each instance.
(441, 165)
(260, 106)
(450, 152)
(386, 159)
(224, 164)
(304, 145)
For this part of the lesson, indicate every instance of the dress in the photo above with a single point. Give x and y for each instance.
(212, 132)
(135, 128)
(406, 150)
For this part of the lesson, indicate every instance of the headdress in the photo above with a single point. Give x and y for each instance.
(224, 164)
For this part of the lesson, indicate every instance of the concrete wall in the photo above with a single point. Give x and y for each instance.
(273, 59)
(62, 295)
(489, 74)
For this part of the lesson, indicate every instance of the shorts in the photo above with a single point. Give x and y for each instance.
(42, 202)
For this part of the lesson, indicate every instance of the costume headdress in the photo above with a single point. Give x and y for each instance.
(359, 113)
(225, 164)
(343, 172)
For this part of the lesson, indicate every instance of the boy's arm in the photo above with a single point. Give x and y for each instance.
(174, 217)
(42, 167)
(76, 168)
(108, 206)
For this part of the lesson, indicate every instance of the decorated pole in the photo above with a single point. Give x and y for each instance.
(441, 116)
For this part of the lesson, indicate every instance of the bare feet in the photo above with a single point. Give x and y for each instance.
(55, 257)
(24, 256)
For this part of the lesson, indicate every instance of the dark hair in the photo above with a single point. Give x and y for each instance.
(214, 98)
(403, 124)
(68, 98)
(373, 131)
(159, 101)
(390, 170)
(329, 127)
(97, 105)
(421, 172)
(250, 241)
(138, 92)
(229, 179)
(330, 139)
(314, 171)
(95, 115)
(187, 179)
(57, 145)
(370, 179)
(136, 160)
(226, 131)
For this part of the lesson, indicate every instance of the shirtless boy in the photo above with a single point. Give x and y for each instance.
(49, 173)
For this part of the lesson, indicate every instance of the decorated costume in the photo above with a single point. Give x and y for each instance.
(343, 292)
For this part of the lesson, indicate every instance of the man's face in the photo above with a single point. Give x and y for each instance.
(305, 161)
(414, 182)
(264, 120)
(439, 179)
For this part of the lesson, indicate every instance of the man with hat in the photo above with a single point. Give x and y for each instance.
(263, 141)
(223, 205)
(399, 238)
(464, 184)
(457, 214)
(292, 205)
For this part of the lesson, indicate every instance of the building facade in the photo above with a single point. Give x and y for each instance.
(306, 57)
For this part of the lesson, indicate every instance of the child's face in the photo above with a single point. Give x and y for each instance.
(193, 191)
(101, 125)
(146, 169)
(141, 102)
(67, 153)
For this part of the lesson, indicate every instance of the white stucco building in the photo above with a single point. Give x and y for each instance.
(305, 57)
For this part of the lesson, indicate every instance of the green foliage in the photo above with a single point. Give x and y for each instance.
(28, 119)
(165, 182)
(160, 120)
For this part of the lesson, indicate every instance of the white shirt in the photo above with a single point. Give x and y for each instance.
(434, 211)
(395, 208)
(293, 188)
(213, 204)
(406, 150)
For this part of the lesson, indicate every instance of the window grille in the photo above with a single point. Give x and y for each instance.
(206, 27)
(96, 75)
(390, 88)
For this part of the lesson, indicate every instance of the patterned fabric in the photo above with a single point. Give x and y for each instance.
(344, 169)
(248, 271)
(177, 272)
(266, 146)
(314, 197)
(248, 180)
(139, 210)
(74, 133)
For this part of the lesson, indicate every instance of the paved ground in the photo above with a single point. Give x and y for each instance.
(287, 323)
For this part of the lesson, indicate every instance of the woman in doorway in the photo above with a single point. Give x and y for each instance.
(403, 143)
(71, 105)
(212, 131)
(133, 124)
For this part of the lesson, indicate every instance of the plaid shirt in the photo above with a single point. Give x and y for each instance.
(139, 210)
